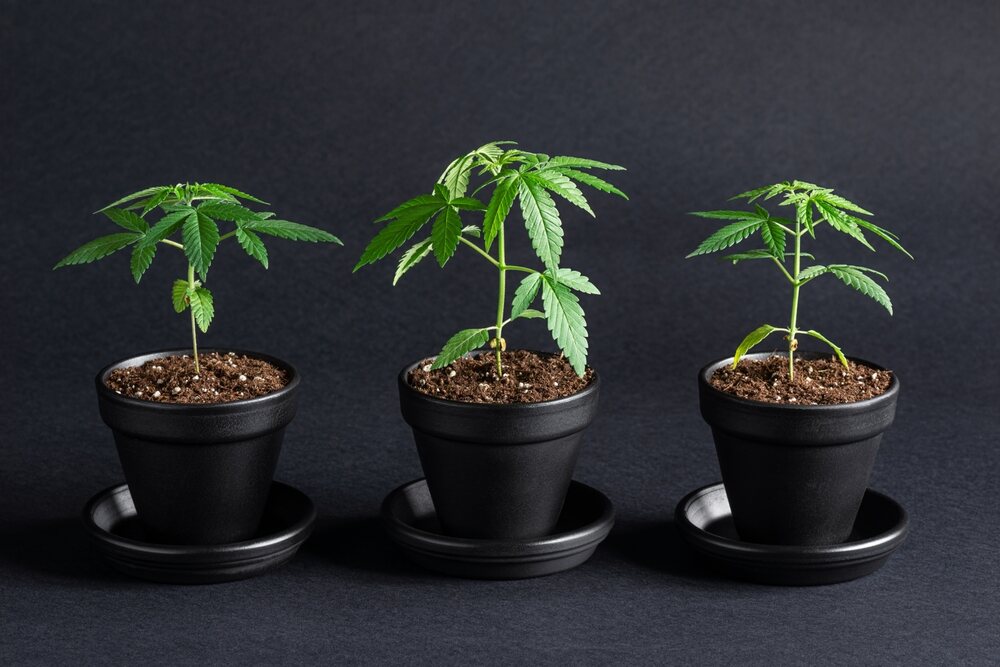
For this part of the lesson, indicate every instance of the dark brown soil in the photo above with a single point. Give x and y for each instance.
(528, 377)
(817, 381)
(224, 378)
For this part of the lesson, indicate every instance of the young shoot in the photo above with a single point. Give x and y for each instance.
(531, 179)
(193, 211)
(813, 206)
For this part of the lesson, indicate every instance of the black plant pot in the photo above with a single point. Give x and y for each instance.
(199, 474)
(795, 474)
(498, 471)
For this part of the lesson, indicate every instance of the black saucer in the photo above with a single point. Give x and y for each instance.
(408, 515)
(704, 520)
(111, 519)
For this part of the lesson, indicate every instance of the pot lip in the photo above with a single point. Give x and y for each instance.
(105, 393)
(552, 403)
(874, 402)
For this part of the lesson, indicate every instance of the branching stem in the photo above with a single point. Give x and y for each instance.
(194, 329)
(501, 298)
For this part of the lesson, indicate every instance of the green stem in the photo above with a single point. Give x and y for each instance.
(479, 250)
(227, 235)
(172, 243)
(795, 303)
(501, 298)
(194, 329)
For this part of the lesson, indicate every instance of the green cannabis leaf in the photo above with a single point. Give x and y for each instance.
(194, 210)
(813, 206)
(534, 181)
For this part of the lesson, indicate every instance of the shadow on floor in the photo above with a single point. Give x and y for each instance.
(55, 548)
(657, 545)
(358, 543)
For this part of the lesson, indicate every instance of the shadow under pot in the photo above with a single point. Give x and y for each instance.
(498, 471)
(199, 474)
(795, 474)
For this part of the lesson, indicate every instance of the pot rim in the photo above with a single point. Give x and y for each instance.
(591, 388)
(107, 394)
(867, 404)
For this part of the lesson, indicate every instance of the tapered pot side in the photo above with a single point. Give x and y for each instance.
(199, 474)
(498, 471)
(795, 474)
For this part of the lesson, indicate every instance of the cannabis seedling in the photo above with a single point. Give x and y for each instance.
(809, 201)
(193, 209)
(512, 173)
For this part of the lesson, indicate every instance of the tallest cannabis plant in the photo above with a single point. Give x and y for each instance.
(514, 174)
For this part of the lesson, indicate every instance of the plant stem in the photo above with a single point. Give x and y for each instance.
(501, 299)
(479, 250)
(795, 303)
(194, 329)
(172, 243)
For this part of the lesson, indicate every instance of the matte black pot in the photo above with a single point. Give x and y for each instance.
(498, 471)
(795, 474)
(199, 474)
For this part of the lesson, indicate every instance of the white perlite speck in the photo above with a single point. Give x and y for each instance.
(156, 394)
(243, 378)
(452, 374)
(427, 368)
(177, 390)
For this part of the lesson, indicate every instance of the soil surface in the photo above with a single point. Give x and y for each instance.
(817, 381)
(528, 377)
(224, 378)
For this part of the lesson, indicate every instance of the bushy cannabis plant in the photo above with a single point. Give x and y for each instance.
(193, 210)
(531, 179)
(813, 206)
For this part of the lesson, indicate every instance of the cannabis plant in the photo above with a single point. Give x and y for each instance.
(531, 179)
(813, 206)
(193, 210)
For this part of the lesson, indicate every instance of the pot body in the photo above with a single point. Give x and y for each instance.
(199, 474)
(795, 474)
(498, 471)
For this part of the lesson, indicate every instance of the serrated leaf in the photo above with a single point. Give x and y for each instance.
(883, 234)
(566, 322)
(201, 238)
(472, 230)
(142, 258)
(427, 205)
(127, 220)
(396, 233)
(444, 235)
(854, 276)
(841, 203)
(751, 195)
(567, 161)
(148, 192)
(411, 258)
(811, 272)
(231, 211)
(542, 222)
(221, 190)
(498, 208)
(574, 280)
(726, 215)
(252, 244)
(837, 350)
(154, 201)
(752, 339)
(456, 175)
(202, 307)
(529, 314)
(460, 344)
(167, 225)
(179, 295)
(468, 204)
(561, 185)
(727, 237)
(841, 222)
(98, 248)
(525, 294)
(591, 180)
(291, 231)
(803, 217)
(749, 254)
(774, 238)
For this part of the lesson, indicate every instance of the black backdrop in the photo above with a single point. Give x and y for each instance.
(335, 112)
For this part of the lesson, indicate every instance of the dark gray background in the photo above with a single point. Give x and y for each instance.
(335, 112)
